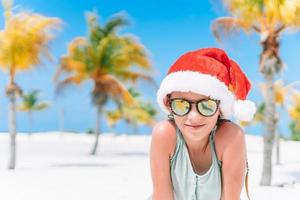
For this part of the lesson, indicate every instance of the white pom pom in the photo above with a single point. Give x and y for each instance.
(244, 110)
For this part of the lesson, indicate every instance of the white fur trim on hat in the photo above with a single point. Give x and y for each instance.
(205, 84)
(244, 110)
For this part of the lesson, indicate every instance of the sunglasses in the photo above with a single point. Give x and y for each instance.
(205, 107)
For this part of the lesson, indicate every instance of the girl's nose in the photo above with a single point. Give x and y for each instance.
(194, 115)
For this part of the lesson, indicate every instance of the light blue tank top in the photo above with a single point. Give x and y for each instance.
(187, 185)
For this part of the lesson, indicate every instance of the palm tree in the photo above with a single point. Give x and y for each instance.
(295, 130)
(106, 59)
(294, 113)
(142, 113)
(31, 104)
(284, 93)
(281, 93)
(23, 42)
(268, 18)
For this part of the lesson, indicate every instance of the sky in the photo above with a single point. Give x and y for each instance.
(167, 29)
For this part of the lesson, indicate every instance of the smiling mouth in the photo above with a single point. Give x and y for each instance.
(194, 126)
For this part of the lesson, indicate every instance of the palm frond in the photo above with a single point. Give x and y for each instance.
(108, 84)
(266, 14)
(7, 6)
(131, 114)
(227, 26)
(294, 110)
(116, 22)
(25, 39)
(41, 106)
(30, 102)
(71, 80)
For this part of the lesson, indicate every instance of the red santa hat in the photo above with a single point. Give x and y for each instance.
(212, 73)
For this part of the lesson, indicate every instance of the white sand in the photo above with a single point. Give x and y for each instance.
(52, 167)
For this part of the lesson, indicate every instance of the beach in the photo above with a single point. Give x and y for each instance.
(58, 166)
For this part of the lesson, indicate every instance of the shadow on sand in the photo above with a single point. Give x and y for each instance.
(83, 165)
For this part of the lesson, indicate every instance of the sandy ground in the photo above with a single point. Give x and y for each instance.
(58, 166)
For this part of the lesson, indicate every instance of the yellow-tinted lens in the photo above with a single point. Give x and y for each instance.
(207, 107)
(180, 106)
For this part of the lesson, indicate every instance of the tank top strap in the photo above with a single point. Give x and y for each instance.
(213, 146)
(178, 143)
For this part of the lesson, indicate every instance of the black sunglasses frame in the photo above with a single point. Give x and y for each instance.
(190, 106)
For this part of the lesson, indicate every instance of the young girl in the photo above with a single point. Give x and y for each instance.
(198, 153)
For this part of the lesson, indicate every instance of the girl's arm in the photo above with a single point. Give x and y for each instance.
(233, 163)
(162, 145)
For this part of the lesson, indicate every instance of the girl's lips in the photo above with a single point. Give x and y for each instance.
(194, 126)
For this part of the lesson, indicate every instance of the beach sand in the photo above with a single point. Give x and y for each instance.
(57, 166)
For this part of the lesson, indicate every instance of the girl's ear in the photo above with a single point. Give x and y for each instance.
(220, 114)
(166, 102)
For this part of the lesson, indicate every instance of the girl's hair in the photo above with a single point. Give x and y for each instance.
(246, 179)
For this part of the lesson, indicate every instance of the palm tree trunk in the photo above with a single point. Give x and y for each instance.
(270, 127)
(97, 131)
(11, 91)
(270, 65)
(12, 129)
(61, 121)
(30, 123)
(277, 136)
(135, 128)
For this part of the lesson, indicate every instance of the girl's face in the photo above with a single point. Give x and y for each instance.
(193, 125)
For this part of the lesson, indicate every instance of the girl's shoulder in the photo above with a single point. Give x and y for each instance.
(164, 134)
(228, 129)
(226, 132)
